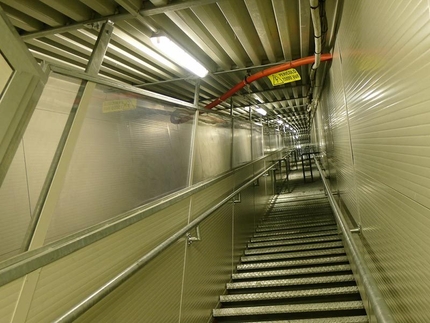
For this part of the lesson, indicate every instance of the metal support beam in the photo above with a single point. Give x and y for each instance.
(22, 92)
(45, 207)
(193, 134)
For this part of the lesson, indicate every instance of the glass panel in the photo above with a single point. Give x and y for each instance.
(130, 150)
(26, 175)
(257, 141)
(5, 73)
(213, 146)
(241, 142)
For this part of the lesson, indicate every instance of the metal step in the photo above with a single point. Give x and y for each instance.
(291, 272)
(291, 211)
(288, 309)
(265, 244)
(256, 297)
(346, 319)
(296, 217)
(292, 263)
(296, 226)
(268, 223)
(294, 236)
(287, 212)
(302, 247)
(290, 255)
(295, 230)
(290, 282)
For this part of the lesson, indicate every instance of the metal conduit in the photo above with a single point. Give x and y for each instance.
(377, 302)
(264, 73)
(118, 280)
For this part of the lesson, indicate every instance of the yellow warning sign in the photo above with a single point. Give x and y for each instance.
(119, 105)
(283, 77)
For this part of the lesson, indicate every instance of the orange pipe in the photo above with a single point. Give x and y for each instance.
(266, 72)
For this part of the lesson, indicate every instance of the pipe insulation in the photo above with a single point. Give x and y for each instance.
(267, 72)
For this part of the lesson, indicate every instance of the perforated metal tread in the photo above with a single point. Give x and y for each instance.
(334, 237)
(289, 255)
(322, 292)
(275, 223)
(296, 226)
(290, 282)
(294, 236)
(295, 231)
(302, 247)
(288, 309)
(292, 263)
(281, 216)
(347, 319)
(287, 272)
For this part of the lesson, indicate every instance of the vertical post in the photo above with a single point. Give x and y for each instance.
(193, 135)
(310, 166)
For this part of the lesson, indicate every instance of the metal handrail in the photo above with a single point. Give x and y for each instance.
(115, 282)
(378, 304)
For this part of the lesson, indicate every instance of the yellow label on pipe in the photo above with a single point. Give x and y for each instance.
(283, 77)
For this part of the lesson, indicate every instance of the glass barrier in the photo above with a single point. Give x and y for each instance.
(129, 152)
(213, 146)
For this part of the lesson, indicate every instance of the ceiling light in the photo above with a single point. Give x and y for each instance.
(178, 55)
(279, 121)
(261, 111)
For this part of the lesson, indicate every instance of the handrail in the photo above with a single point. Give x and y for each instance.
(115, 282)
(377, 302)
(29, 261)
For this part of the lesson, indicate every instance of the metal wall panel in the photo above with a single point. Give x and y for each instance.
(381, 57)
(243, 222)
(99, 262)
(340, 128)
(128, 153)
(210, 196)
(208, 266)
(15, 208)
(241, 142)
(152, 295)
(213, 146)
(8, 296)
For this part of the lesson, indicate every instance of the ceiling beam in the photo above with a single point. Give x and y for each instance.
(175, 6)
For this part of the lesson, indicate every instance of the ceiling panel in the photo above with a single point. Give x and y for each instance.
(232, 39)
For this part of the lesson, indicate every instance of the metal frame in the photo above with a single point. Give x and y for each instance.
(30, 261)
(118, 85)
(21, 94)
(376, 299)
(118, 280)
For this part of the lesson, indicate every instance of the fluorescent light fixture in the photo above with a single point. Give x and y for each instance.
(261, 111)
(178, 55)
(279, 121)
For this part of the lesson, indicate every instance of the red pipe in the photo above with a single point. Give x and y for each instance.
(266, 72)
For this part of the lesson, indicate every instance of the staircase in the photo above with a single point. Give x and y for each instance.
(294, 270)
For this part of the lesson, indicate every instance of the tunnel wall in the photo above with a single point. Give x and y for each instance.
(375, 124)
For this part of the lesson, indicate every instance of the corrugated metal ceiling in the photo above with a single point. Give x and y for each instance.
(232, 39)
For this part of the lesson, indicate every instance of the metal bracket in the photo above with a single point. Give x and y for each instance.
(191, 239)
(356, 230)
(237, 199)
(257, 182)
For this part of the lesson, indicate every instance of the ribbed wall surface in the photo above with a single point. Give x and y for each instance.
(382, 70)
